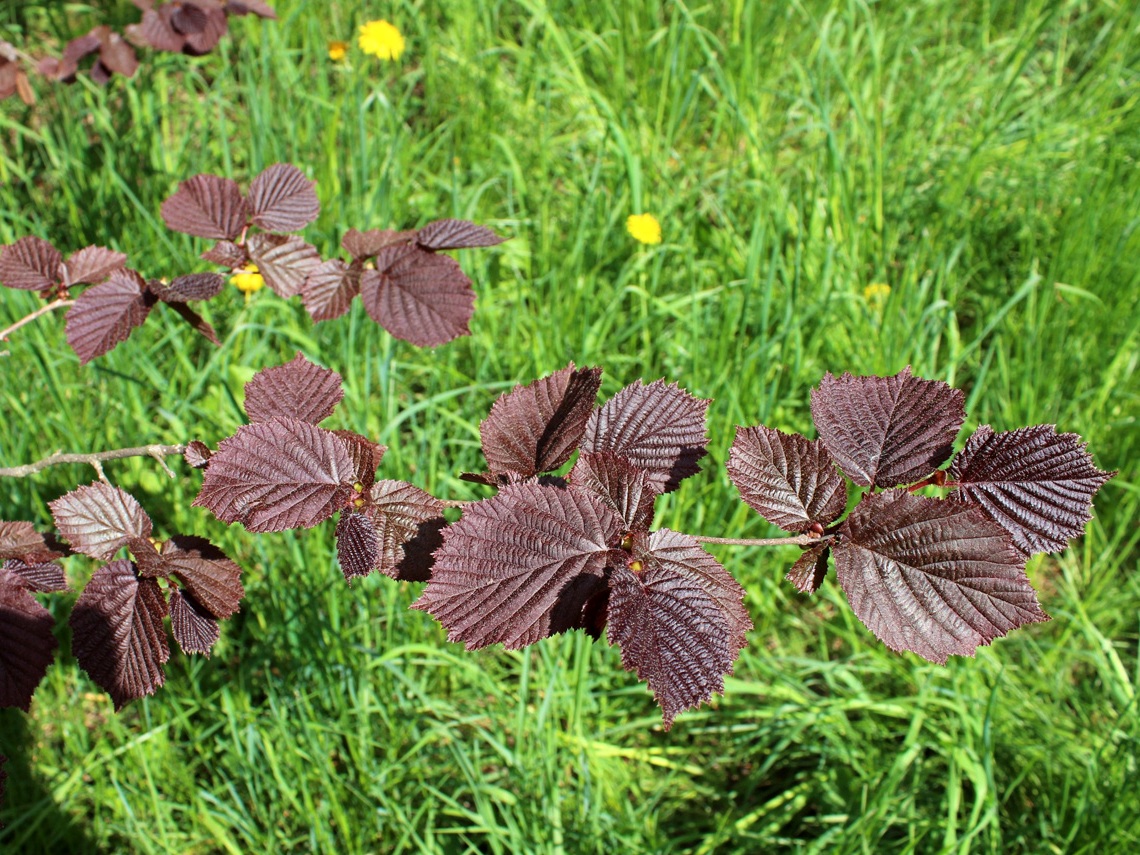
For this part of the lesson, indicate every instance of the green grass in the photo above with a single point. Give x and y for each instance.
(977, 157)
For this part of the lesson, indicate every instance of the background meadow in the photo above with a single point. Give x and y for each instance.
(977, 158)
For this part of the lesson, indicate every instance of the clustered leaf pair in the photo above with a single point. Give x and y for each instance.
(405, 285)
(119, 300)
(192, 27)
(118, 634)
(934, 576)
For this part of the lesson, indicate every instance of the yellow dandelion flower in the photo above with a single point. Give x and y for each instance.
(381, 39)
(644, 228)
(338, 51)
(248, 280)
(876, 292)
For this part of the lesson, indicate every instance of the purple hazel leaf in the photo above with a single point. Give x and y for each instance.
(537, 427)
(104, 315)
(329, 289)
(148, 560)
(42, 576)
(27, 645)
(521, 565)
(621, 485)
(299, 389)
(808, 572)
(788, 480)
(887, 431)
(194, 629)
(278, 475)
(227, 254)
(455, 234)
(210, 578)
(202, 42)
(21, 540)
(155, 30)
(196, 321)
(207, 206)
(669, 617)
(357, 544)
(117, 632)
(197, 454)
(282, 199)
(409, 525)
(422, 298)
(91, 264)
(99, 519)
(684, 555)
(363, 245)
(284, 261)
(366, 456)
(192, 286)
(657, 427)
(1036, 483)
(935, 577)
(30, 264)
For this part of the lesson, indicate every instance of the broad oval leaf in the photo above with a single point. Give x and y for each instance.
(99, 519)
(210, 578)
(197, 454)
(683, 554)
(27, 645)
(1036, 483)
(21, 540)
(105, 315)
(787, 479)
(658, 427)
(227, 254)
(329, 289)
(42, 576)
(92, 264)
(808, 573)
(156, 31)
(192, 286)
(298, 389)
(207, 206)
(422, 298)
(195, 630)
(624, 487)
(935, 577)
(282, 199)
(357, 544)
(362, 245)
(456, 234)
(284, 261)
(521, 565)
(202, 42)
(30, 264)
(117, 633)
(537, 427)
(667, 612)
(887, 431)
(277, 475)
(409, 525)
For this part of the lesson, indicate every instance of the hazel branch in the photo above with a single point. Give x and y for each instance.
(59, 303)
(96, 459)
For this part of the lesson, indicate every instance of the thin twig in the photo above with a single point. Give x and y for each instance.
(798, 540)
(42, 310)
(95, 459)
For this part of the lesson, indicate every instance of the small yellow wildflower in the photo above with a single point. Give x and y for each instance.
(338, 51)
(644, 228)
(248, 280)
(876, 292)
(381, 39)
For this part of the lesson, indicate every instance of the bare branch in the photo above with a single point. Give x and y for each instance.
(95, 459)
(42, 310)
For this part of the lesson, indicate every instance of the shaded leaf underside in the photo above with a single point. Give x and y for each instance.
(27, 645)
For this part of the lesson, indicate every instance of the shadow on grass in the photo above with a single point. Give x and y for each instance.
(31, 819)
